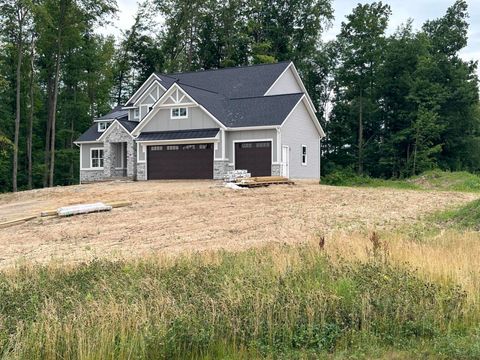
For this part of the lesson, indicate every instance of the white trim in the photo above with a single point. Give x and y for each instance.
(146, 81)
(306, 154)
(138, 154)
(91, 158)
(313, 117)
(157, 107)
(86, 142)
(285, 162)
(111, 127)
(179, 108)
(155, 82)
(279, 146)
(223, 142)
(252, 140)
(98, 126)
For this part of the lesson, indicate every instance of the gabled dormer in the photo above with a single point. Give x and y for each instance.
(141, 102)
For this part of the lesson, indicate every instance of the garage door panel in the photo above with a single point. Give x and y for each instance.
(183, 161)
(256, 157)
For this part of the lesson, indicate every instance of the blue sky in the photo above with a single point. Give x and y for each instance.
(418, 10)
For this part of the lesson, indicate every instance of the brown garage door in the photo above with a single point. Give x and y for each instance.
(256, 157)
(188, 161)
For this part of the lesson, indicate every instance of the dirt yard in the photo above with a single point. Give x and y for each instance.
(171, 217)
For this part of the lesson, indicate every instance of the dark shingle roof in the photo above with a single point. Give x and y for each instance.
(128, 125)
(232, 82)
(247, 111)
(116, 113)
(92, 134)
(178, 134)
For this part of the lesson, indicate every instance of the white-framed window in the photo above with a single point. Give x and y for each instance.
(304, 154)
(179, 113)
(102, 126)
(96, 158)
(136, 113)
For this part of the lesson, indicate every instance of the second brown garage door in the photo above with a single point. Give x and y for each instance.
(256, 157)
(188, 161)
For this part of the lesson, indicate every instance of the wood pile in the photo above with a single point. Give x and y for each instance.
(261, 181)
(55, 213)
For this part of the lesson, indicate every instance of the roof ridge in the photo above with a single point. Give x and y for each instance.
(225, 68)
(199, 88)
(265, 96)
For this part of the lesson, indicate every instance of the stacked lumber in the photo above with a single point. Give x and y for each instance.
(261, 181)
(69, 211)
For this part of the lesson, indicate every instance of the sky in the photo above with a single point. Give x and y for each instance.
(418, 10)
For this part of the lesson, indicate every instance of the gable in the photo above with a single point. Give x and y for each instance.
(287, 83)
(302, 121)
(197, 119)
(177, 97)
(145, 87)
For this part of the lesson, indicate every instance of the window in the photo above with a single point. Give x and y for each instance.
(173, 147)
(102, 126)
(96, 158)
(246, 145)
(179, 113)
(136, 113)
(156, 148)
(188, 147)
(262, 145)
(304, 154)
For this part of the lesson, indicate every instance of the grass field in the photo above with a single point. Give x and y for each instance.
(340, 272)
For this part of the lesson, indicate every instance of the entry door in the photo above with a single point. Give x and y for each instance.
(286, 161)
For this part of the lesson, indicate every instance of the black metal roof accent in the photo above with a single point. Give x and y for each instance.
(178, 134)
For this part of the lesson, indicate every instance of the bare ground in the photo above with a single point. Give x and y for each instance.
(171, 217)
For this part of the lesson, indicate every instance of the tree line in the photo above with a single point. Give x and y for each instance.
(391, 105)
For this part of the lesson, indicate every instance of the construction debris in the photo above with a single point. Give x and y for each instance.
(233, 186)
(16, 221)
(262, 181)
(70, 211)
(234, 175)
(83, 209)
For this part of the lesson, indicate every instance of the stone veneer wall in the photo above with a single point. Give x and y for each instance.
(118, 134)
(141, 171)
(276, 169)
(220, 169)
(91, 175)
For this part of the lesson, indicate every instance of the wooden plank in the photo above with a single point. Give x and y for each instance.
(17, 221)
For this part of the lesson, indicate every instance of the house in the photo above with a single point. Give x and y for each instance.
(199, 125)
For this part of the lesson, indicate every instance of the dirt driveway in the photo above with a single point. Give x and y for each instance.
(170, 217)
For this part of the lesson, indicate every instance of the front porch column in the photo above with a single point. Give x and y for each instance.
(108, 159)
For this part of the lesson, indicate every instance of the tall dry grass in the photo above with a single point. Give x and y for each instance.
(447, 256)
(357, 295)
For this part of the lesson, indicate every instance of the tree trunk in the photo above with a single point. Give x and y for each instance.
(18, 105)
(53, 104)
(53, 119)
(48, 131)
(30, 117)
(360, 135)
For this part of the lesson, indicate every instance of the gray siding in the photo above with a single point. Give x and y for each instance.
(232, 136)
(286, 84)
(85, 150)
(197, 119)
(299, 130)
